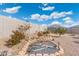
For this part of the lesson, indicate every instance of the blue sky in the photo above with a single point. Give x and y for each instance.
(66, 14)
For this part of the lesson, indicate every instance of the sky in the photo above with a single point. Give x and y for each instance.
(66, 14)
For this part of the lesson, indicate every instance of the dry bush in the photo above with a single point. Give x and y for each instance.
(40, 33)
(16, 37)
(43, 33)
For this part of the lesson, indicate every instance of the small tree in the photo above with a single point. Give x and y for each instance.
(61, 31)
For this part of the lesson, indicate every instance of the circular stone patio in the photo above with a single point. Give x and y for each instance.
(41, 47)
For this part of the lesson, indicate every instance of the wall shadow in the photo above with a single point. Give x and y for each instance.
(77, 42)
(76, 37)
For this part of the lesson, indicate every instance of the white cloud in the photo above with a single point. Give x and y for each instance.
(55, 22)
(67, 18)
(12, 10)
(45, 4)
(39, 17)
(57, 15)
(44, 25)
(54, 15)
(44, 17)
(35, 16)
(48, 8)
(68, 21)
(69, 13)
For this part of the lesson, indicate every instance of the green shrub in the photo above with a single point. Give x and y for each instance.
(61, 31)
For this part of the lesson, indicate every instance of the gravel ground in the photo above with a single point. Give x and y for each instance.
(70, 44)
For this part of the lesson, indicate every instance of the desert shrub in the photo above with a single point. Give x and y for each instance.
(46, 32)
(16, 37)
(43, 33)
(24, 27)
(39, 33)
